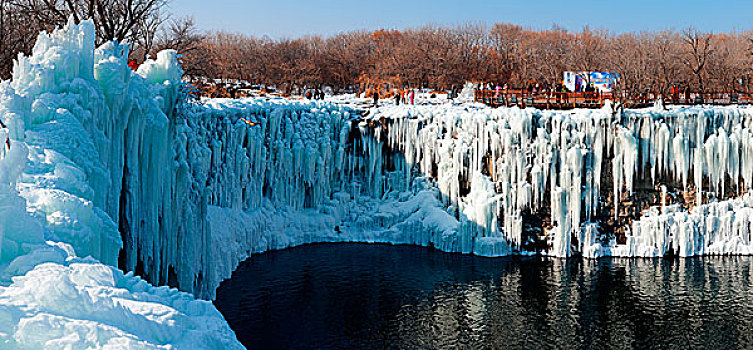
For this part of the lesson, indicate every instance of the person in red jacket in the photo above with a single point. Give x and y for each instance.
(133, 65)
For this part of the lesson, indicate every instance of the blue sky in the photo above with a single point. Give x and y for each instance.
(294, 18)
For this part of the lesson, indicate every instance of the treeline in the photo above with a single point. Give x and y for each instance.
(143, 23)
(436, 57)
(431, 56)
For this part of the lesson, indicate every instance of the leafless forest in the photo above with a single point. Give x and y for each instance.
(432, 56)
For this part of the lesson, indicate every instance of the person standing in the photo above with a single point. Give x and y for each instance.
(376, 98)
(412, 97)
(133, 65)
(397, 97)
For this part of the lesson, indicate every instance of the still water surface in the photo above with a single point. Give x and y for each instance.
(357, 296)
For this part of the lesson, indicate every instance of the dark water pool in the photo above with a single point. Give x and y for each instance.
(355, 296)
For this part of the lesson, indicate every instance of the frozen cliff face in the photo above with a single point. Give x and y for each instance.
(559, 161)
(85, 118)
(78, 121)
(458, 178)
(300, 172)
(493, 167)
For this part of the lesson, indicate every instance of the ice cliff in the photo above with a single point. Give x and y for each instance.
(81, 126)
(590, 182)
(472, 179)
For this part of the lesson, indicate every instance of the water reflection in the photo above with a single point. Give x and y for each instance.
(373, 296)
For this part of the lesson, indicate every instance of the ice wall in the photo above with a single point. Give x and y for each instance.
(270, 174)
(558, 162)
(520, 159)
(719, 228)
(466, 179)
(81, 126)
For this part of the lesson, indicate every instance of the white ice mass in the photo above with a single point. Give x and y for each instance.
(78, 120)
(111, 168)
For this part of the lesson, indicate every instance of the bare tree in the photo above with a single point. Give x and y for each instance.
(507, 42)
(179, 34)
(665, 53)
(121, 20)
(697, 50)
(588, 51)
(631, 57)
(552, 49)
(429, 56)
(17, 33)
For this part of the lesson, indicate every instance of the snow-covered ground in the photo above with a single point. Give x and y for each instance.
(420, 99)
(103, 158)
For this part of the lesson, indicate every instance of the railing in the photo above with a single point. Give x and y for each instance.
(542, 99)
(569, 100)
(711, 98)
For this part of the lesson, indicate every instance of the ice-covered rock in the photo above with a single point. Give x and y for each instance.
(87, 305)
(80, 125)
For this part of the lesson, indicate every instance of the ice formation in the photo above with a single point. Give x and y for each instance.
(472, 179)
(559, 162)
(79, 122)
